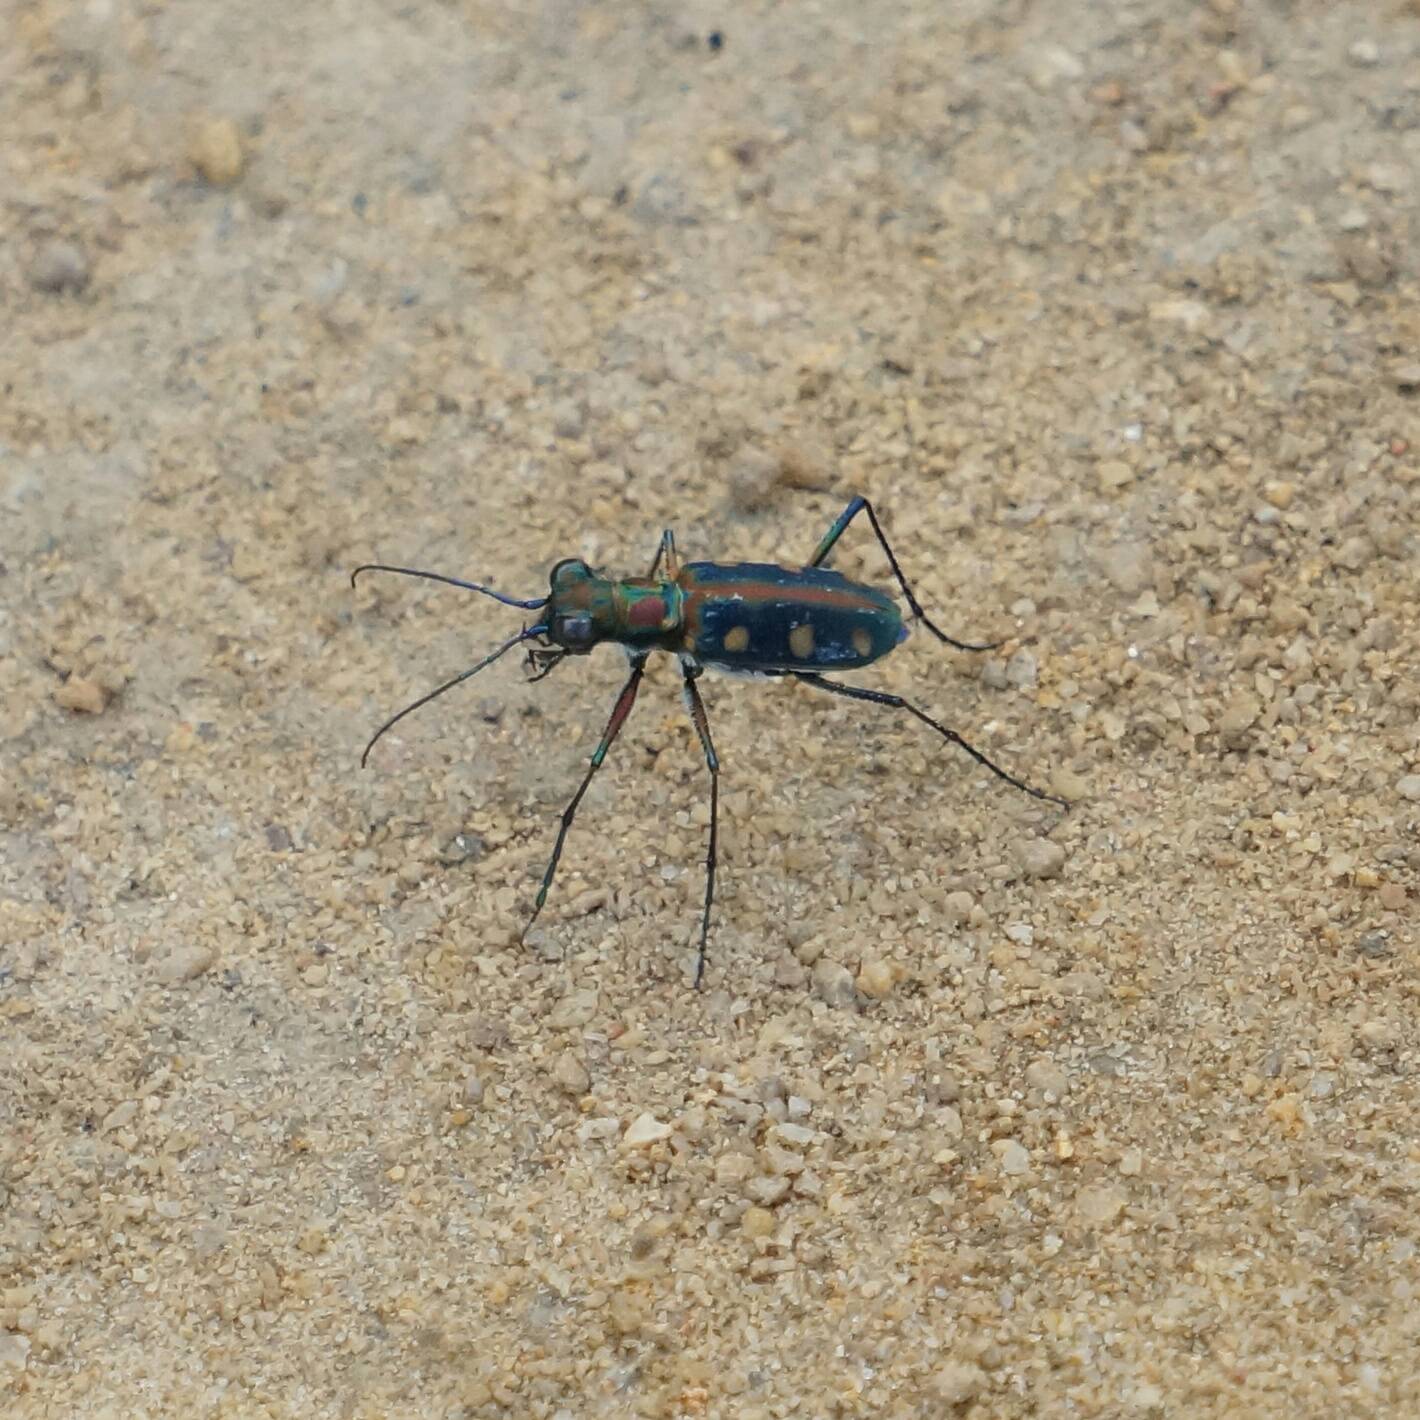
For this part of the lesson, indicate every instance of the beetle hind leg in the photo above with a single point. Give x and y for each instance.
(861, 505)
(896, 702)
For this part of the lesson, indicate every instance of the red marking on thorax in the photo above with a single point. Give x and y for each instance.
(646, 611)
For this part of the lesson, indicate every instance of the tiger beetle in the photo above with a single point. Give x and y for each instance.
(745, 618)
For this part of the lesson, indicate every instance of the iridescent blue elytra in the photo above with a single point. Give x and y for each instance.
(751, 618)
(758, 618)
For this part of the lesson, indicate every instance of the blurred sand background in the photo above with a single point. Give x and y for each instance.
(985, 1109)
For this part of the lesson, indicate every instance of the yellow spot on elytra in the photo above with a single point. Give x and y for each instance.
(737, 639)
(801, 642)
(862, 642)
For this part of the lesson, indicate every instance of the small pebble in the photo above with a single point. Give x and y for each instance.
(574, 1010)
(958, 1382)
(1022, 670)
(1127, 566)
(644, 1131)
(1013, 1157)
(1409, 788)
(570, 1074)
(14, 1352)
(1113, 475)
(119, 1116)
(804, 466)
(796, 1136)
(184, 963)
(627, 1313)
(569, 419)
(1354, 553)
(993, 674)
(602, 1127)
(1038, 857)
(1047, 1077)
(757, 1222)
(1381, 1034)
(733, 1170)
(833, 982)
(216, 151)
(1099, 1204)
(1240, 714)
(59, 266)
(876, 979)
(956, 908)
(82, 695)
(753, 476)
(767, 1190)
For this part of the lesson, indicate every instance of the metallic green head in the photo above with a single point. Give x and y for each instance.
(581, 611)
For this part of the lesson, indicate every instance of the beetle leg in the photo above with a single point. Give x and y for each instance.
(665, 553)
(896, 702)
(696, 706)
(859, 505)
(619, 712)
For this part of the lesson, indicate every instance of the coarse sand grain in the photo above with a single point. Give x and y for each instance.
(986, 1108)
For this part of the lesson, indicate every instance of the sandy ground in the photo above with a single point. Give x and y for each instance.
(985, 1109)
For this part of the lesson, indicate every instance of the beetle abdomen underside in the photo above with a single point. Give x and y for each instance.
(755, 616)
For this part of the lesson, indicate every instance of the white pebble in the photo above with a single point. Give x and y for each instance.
(767, 1191)
(1039, 857)
(1013, 1157)
(644, 1131)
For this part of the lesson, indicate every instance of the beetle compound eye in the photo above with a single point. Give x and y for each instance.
(574, 631)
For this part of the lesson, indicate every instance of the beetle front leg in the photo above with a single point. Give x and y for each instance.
(666, 553)
(619, 712)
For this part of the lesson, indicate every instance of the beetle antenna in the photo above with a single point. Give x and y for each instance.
(450, 581)
(524, 635)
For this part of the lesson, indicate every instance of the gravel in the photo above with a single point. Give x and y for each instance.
(985, 1107)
